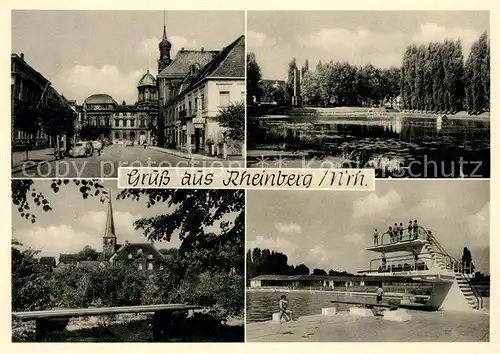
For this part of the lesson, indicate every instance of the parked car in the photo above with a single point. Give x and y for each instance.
(81, 149)
(129, 143)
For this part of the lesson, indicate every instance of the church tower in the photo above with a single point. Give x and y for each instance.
(109, 238)
(165, 47)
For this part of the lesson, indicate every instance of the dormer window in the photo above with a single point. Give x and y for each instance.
(150, 256)
(139, 251)
(130, 256)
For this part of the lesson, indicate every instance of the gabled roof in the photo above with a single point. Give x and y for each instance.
(132, 248)
(183, 60)
(47, 260)
(230, 62)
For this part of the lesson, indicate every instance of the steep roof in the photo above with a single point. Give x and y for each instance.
(100, 98)
(138, 251)
(230, 62)
(183, 60)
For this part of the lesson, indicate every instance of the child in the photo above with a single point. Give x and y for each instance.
(283, 304)
(396, 232)
(410, 230)
(375, 238)
(391, 234)
(380, 292)
(401, 228)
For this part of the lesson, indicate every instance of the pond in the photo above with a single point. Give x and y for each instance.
(395, 146)
(261, 305)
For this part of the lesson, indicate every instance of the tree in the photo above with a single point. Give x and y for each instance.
(467, 260)
(305, 68)
(253, 79)
(293, 79)
(317, 271)
(477, 75)
(88, 254)
(232, 118)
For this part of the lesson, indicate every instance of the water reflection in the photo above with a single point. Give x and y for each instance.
(371, 140)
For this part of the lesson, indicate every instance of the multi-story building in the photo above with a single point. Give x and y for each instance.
(192, 90)
(28, 100)
(105, 118)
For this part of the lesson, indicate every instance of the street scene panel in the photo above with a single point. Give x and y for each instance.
(406, 263)
(171, 94)
(405, 93)
(91, 263)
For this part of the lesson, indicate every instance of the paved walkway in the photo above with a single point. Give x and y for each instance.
(423, 327)
(35, 157)
(201, 157)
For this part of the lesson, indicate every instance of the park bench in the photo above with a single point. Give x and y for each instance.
(50, 320)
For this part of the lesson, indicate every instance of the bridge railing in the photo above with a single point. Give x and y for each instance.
(403, 263)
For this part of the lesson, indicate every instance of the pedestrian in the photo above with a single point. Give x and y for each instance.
(375, 237)
(380, 293)
(410, 230)
(145, 143)
(283, 308)
(415, 229)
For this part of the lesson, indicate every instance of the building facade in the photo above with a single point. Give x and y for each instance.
(104, 118)
(31, 96)
(192, 89)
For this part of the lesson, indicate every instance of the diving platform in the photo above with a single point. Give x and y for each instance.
(420, 257)
(400, 246)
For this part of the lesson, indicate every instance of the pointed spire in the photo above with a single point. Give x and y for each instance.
(109, 231)
(164, 27)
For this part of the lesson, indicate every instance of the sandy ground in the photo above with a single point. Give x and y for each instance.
(342, 327)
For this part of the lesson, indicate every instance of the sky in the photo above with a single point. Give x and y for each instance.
(331, 230)
(87, 52)
(359, 37)
(75, 222)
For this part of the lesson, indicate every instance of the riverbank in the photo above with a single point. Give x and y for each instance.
(365, 112)
(343, 327)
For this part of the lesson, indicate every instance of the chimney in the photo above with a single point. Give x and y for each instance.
(182, 48)
(126, 242)
(202, 49)
(22, 56)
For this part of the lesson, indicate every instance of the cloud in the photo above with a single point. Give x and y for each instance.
(356, 45)
(478, 225)
(355, 238)
(81, 81)
(279, 244)
(373, 205)
(288, 228)
(124, 221)
(432, 32)
(55, 239)
(319, 254)
(259, 40)
(148, 47)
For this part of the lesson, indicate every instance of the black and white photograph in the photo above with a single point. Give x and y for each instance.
(406, 93)
(104, 89)
(91, 263)
(409, 262)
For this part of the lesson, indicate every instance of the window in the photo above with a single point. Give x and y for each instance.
(124, 123)
(139, 251)
(117, 122)
(117, 135)
(124, 135)
(140, 266)
(121, 114)
(150, 256)
(150, 266)
(224, 98)
(143, 122)
(130, 256)
(132, 123)
(202, 101)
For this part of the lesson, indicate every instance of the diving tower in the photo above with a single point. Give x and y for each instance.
(419, 256)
